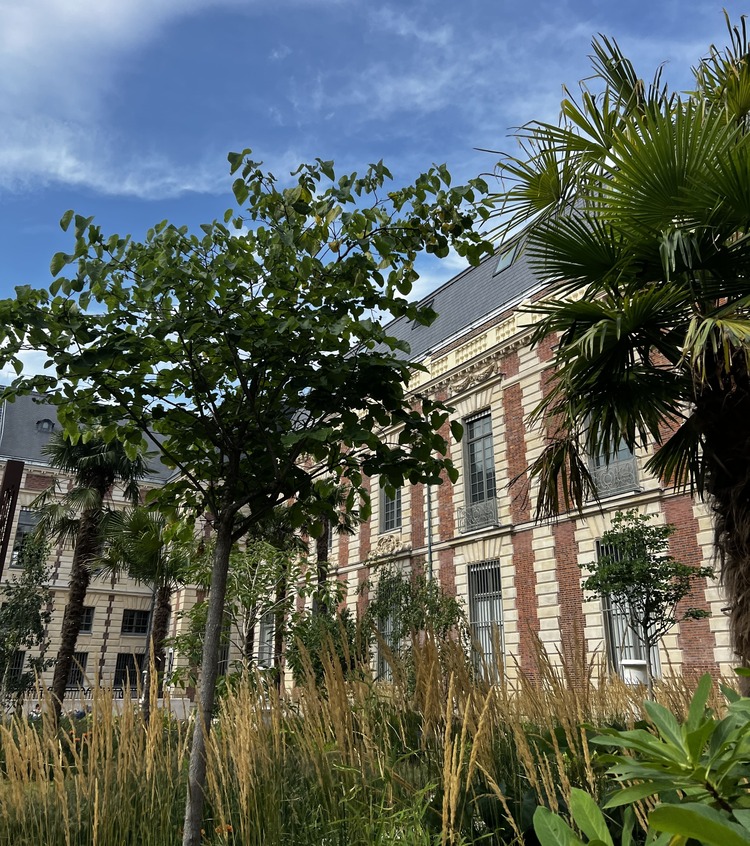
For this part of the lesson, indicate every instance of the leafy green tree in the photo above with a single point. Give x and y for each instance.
(24, 601)
(637, 202)
(641, 581)
(255, 357)
(81, 514)
(413, 604)
(260, 574)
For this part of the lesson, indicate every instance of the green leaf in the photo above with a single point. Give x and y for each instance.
(699, 821)
(636, 792)
(666, 723)
(65, 220)
(59, 260)
(698, 704)
(552, 830)
(588, 817)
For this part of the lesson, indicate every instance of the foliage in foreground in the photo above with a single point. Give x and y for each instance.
(449, 761)
(698, 769)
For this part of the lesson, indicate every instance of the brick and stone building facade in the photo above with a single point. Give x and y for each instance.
(113, 637)
(479, 536)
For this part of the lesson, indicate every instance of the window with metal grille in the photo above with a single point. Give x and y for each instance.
(128, 669)
(486, 612)
(15, 667)
(265, 639)
(27, 522)
(390, 511)
(388, 643)
(77, 673)
(615, 474)
(481, 497)
(134, 622)
(625, 651)
(87, 619)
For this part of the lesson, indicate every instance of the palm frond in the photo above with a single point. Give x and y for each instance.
(563, 478)
(679, 460)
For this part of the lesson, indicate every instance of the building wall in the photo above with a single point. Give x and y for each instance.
(110, 597)
(493, 368)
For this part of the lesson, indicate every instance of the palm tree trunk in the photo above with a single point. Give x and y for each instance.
(159, 631)
(160, 625)
(209, 672)
(88, 546)
(724, 407)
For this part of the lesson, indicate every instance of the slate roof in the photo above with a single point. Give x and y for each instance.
(27, 424)
(465, 301)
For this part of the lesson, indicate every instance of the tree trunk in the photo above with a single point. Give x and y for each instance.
(209, 671)
(160, 625)
(159, 631)
(278, 626)
(319, 604)
(88, 546)
(248, 644)
(724, 411)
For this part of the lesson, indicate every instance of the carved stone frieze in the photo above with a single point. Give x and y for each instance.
(388, 545)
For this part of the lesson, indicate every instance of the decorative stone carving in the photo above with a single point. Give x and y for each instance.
(391, 544)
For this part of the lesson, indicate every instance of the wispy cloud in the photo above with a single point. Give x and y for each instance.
(397, 22)
(58, 61)
(279, 53)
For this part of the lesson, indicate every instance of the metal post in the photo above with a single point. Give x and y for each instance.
(8, 499)
(429, 532)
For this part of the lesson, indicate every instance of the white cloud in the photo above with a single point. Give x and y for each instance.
(397, 22)
(58, 60)
(279, 53)
(33, 365)
(39, 151)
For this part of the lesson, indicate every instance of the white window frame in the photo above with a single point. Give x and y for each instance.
(390, 511)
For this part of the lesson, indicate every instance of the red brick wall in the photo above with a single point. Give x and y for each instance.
(526, 603)
(37, 482)
(365, 529)
(695, 639)
(447, 570)
(417, 496)
(515, 447)
(570, 595)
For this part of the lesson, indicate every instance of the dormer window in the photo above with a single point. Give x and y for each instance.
(507, 257)
(45, 426)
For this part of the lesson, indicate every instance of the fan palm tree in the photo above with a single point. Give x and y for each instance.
(155, 552)
(82, 515)
(638, 206)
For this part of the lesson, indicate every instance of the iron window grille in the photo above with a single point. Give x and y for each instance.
(128, 669)
(77, 673)
(486, 614)
(615, 474)
(15, 666)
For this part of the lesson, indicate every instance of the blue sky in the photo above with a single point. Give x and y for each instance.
(126, 109)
